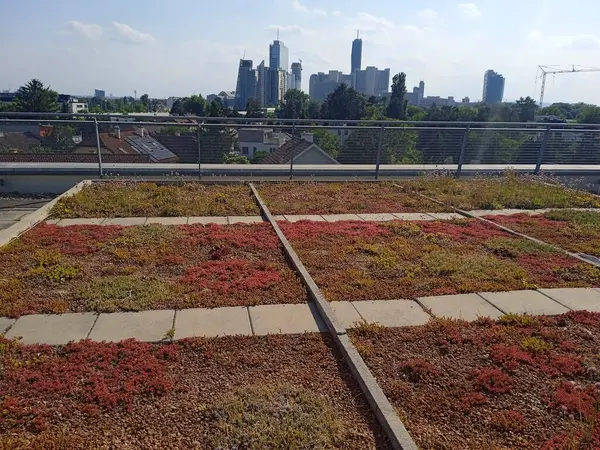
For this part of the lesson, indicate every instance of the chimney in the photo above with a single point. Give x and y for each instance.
(307, 136)
(118, 132)
(142, 132)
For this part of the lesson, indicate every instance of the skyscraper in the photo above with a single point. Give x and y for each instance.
(246, 84)
(356, 58)
(278, 56)
(296, 76)
(493, 87)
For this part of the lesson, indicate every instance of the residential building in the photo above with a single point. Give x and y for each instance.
(170, 101)
(493, 87)
(301, 150)
(227, 98)
(278, 56)
(99, 93)
(252, 140)
(322, 84)
(246, 84)
(356, 56)
(74, 106)
(7, 97)
(371, 81)
(416, 96)
(296, 82)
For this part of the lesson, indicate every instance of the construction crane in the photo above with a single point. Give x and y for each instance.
(553, 70)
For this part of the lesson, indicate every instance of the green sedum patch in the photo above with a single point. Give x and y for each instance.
(262, 417)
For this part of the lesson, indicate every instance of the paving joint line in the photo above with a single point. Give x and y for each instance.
(490, 303)
(554, 300)
(250, 321)
(87, 336)
(385, 413)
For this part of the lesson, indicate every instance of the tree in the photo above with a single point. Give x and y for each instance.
(216, 108)
(294, 106)
(590, 114)
(195, 105)
(327, 141)
(259, 156)
(234, 158)
(177, 108)
(253, 109)
(398, 147)
(34, 97)
(61, 139)
(398, 103)
(526, 108)
(314, 108)
(345, 103)
(145, 101)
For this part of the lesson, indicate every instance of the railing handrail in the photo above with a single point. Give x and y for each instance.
(230, 120)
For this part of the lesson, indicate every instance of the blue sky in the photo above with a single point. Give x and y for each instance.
(178, 48)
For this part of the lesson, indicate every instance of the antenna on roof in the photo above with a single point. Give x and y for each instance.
(357, 33)
(244, 57)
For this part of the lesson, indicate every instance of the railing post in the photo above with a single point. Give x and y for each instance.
(199, 153)
(293, 150)
(378, 161)
(463, 148)
(98, 148)
(540, 157)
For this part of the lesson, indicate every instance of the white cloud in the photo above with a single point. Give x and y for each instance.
(299, 7)
(132, 36)
(535, 35)
(90, 31)
(291, 29)
(371, 19)
(427, 14)
(335, 12)
(584, 42)
(469, 10)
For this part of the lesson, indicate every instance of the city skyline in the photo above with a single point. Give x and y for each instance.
(153, 48)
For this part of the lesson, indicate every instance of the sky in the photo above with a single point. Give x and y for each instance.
(180, 48)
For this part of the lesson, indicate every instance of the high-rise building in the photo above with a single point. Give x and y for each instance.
(493, 87)
(322, 84)
(356, 58)
(278, 56)
(371, 81)
(246, 84)
(279, 85)
(263, 85)
(296, 76)
(99, 93)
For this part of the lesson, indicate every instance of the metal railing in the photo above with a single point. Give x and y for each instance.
(218, 145)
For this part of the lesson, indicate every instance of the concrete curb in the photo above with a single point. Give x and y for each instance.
(37, 216)
(385, 413)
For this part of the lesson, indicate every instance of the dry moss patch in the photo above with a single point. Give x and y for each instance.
(137, 199)
(245, 392)
(55, 269)
(511, 191)
(340, 198)
(520, 383)
(394, 260)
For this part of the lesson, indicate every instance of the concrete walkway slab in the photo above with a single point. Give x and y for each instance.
(4, 224)
(212, 322)
(148, 326)
(575, 298)
(125, 221)
(245, 219)
(413, 216)
(496, 212)
(346, 313)
(392, 313)
(377, 217)
(463, 306)
(340, 217)
(286, 319)
(166, 220)
(524, 302)
(298, 218)
(5, 322)
(52, 221)
(12, 215)
(446, 216)
(207, 220)
(52, 329)
(71, 222)
(279, 218)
